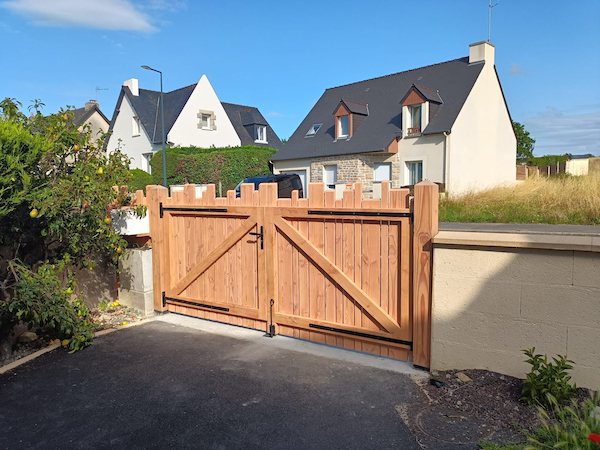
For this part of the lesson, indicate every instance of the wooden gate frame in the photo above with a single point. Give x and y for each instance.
(424, 207)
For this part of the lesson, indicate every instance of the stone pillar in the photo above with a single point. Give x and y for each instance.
(135, 274)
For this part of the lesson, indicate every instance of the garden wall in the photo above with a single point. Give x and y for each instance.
(496, 293)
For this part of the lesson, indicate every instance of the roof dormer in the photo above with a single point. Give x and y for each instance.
(418, 105)
(348, 117)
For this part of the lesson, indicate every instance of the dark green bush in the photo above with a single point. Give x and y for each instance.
(139, 180)
(42, 300)
(547, 380)
(201, 166)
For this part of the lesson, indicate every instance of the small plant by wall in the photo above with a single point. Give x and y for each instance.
(548, 382)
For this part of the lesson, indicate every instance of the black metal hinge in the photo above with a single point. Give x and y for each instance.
(163, 209)
(361, 213)
(359, 334)
(260, 235)
(164, 299)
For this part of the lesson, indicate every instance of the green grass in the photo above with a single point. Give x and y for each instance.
(556, 200)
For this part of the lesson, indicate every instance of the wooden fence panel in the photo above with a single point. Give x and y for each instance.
(338, 271)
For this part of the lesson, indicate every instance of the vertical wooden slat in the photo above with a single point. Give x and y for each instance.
(267, 257)
(329, 252)
(425, 229)
(371, 267)
(284, 271)
(303, 274)
(156, 194)
(385, 229)
(190, 253)
(339, 295)
(316, 230)
(358, 230)
(348, 264)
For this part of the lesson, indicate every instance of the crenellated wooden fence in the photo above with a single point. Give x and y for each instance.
(350, 272)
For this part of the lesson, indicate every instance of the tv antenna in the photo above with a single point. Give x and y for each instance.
(490, 19)
(100, 89)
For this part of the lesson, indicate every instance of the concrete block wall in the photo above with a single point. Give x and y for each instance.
(490, 302)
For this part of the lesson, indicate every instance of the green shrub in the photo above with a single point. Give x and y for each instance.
(201, 166)
(547, 160)
(567, 427)
(547, 380)
(139, 180)
(41, 300)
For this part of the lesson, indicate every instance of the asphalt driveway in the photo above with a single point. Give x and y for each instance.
(162, 385)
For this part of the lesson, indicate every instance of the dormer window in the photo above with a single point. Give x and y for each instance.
(414, 125)
(343, 126)
(348, 116)
(260, 134)
(418, 105)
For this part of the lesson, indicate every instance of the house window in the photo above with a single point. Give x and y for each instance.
(146, 157)
(414, 125)
(414, 172)
(135, 126)
(330, 176)
(382, 172)
(313, 130)
(343, 126)
(206, 121)
(260, 133)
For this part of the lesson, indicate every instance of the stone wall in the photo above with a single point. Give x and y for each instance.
(353, 168)
(495, 295)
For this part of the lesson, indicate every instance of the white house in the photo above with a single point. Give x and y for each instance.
(91, 115)
(448, 123)
(194, 116)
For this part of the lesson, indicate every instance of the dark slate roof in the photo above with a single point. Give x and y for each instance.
(147, 106)
(453, 79)
(354, 107)
(433, 95)
(246, 116)
(80, 115)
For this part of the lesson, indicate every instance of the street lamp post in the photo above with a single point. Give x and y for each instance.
(162, 118)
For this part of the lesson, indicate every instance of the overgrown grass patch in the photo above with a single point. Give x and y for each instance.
(556, 200)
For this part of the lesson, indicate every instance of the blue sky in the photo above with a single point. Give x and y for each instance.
(280, 56)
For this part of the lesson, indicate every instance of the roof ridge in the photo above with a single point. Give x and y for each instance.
(178, 89)
(397, 73)
(424, 87)
(358, 103)
(243, 106)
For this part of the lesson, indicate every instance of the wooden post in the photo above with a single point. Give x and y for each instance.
(156, 194)
(425, 228)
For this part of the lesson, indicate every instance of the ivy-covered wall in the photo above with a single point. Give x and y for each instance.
(210, 165)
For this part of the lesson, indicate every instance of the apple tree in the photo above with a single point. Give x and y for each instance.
(55, 187)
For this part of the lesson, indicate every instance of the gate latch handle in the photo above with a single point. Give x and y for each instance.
(260, 235)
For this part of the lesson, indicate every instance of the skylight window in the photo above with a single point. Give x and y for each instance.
(313, 130)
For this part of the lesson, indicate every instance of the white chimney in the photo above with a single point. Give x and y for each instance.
(481, 52)
(132, 84)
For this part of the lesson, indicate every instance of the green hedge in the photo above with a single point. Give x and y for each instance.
(547, 160)
(139, 180)
(210, 165)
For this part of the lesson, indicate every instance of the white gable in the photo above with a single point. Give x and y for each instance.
(188, 130)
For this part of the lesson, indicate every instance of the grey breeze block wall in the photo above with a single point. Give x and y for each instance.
(490, 302)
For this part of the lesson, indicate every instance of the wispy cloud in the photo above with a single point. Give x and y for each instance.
(104, 15)
(275, 115)
(164, 5)
(6, 27)
(557, 133)
(112, 42)
(515, 69)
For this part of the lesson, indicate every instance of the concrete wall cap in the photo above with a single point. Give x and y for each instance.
(519, 240)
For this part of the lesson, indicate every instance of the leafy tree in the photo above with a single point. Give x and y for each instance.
(55, 188)
(525, 142)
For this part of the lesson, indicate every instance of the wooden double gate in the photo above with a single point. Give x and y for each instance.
(351, 272)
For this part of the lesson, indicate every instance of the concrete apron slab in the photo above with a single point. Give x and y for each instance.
(293, 344)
